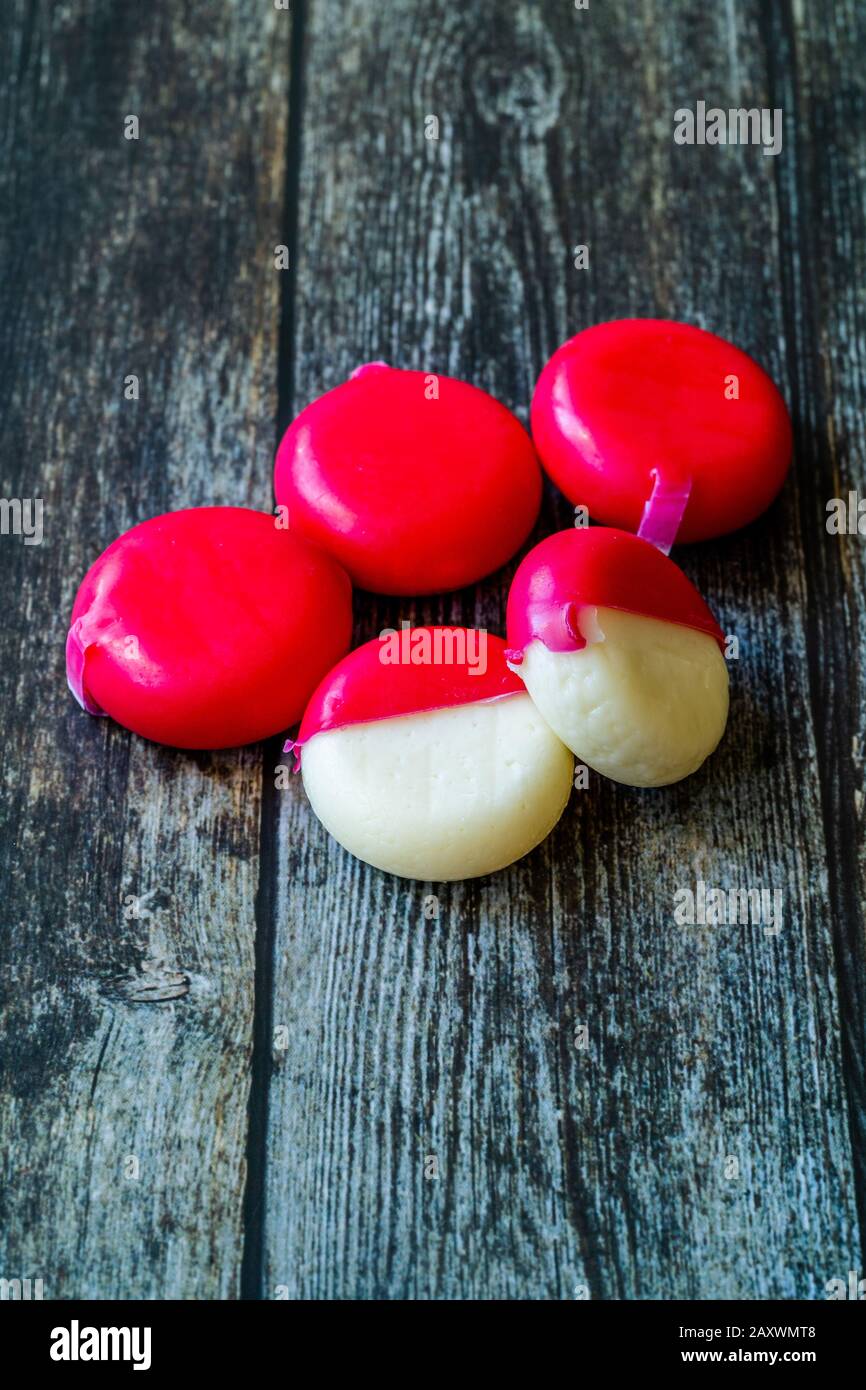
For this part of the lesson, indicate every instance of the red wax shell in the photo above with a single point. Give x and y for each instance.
(600, 567)
(207, 628)
(416, 669)
(627, 404)
(416, 483)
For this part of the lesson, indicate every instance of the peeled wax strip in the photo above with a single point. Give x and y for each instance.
(430, 790)
(620, 654)
(644, 414)
(207, 628)
(417, 483)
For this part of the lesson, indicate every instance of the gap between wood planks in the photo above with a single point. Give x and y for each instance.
(252, 1260)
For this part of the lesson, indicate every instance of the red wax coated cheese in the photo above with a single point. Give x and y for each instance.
(409, 672)
(416, 483)
(207, 628)
(620, 655)
(597, 566)
(424, 756)
(642, 407)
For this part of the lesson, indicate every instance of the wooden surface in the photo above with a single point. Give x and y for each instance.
(336, 1084)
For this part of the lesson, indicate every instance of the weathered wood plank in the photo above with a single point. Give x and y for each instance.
(126, 1066)
(822, 193)
(699, 1145)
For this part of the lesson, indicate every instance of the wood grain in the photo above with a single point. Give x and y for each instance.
(822, 197)
(699, 1146)
(336, 1084)
(130, 872)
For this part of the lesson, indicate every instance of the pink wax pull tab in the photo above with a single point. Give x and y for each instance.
(557, 624)
(76, 649)
(291, 746)
(367, 367)
(663, 511)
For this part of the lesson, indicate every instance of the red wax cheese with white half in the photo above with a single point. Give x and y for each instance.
(662, 427)
(620, 654)
(423, 755)
(207, 628)
(416, 483)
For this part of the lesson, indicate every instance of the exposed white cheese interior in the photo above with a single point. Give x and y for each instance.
(644, 702)
(447, 794)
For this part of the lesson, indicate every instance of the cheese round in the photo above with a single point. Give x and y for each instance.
(207, 628)
(627, 405)
(620, 653)
(415, 482)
